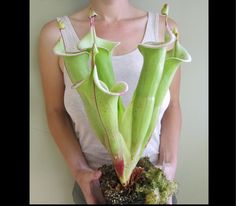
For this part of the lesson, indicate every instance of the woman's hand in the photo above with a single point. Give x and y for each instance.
(169, 171)
(88, 182)
(59, 121)
(170, 201)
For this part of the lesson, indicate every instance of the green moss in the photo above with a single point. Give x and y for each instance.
(156, 188)
(153, 197)
(151, 187)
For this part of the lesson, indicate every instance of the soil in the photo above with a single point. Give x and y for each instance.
(115, 193)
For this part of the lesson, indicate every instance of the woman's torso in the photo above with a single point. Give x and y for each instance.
(127, 68)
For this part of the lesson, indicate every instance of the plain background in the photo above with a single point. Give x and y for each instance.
(50, 179)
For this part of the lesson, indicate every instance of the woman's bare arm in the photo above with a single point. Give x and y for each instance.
(170, 130)
(171, 121)
(58, 119)
(53, 87)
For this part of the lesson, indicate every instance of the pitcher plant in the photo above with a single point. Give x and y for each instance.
(124, 131)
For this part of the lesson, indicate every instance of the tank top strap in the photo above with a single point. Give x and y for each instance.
(151, 33)
(69, 35)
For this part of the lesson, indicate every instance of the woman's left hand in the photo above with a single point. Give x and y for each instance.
(170, 201)
(169, 171)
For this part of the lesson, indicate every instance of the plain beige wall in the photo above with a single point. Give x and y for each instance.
(50, 180)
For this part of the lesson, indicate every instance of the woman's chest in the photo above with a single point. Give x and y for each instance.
(128, 33)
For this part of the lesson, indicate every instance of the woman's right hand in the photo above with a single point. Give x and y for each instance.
(86, 178)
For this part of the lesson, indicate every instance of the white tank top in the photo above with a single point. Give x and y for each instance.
(126, 68)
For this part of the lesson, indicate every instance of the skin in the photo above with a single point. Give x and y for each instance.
(116, 21)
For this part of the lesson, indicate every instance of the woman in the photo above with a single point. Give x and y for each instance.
(121, 22)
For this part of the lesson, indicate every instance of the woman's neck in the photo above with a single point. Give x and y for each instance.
(111, 10)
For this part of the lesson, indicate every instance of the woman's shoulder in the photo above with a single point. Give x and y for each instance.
(171, 22)
(50, 31)
(80, 15)
(161, 26)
